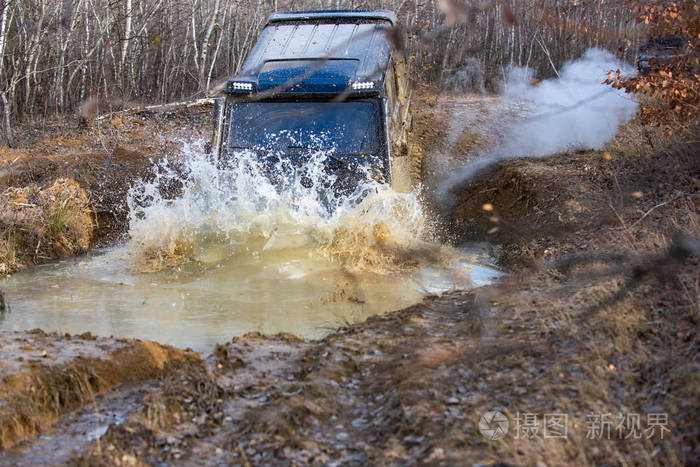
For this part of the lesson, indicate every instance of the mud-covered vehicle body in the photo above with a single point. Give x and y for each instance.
(323, 80)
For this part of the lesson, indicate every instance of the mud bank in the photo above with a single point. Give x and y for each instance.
(582, 201)
(99, 162)
(43, 376)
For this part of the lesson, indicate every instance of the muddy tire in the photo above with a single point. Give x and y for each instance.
(416, 156)
(407, 172)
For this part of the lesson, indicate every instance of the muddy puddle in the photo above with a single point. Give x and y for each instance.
(285, 290)
(228, 252)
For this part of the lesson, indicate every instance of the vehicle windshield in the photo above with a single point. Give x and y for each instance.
(296, 127)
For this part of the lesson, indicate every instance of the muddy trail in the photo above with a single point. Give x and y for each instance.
(594, 319)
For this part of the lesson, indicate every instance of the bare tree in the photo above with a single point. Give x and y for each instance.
(54, 54)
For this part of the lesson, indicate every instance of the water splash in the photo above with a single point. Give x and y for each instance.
(218, 251)
(197, 209)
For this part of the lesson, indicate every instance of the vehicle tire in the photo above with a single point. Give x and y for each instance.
(407, 171)
(401, 174)
(416, 161)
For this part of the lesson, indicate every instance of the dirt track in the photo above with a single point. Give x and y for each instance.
(409, 387)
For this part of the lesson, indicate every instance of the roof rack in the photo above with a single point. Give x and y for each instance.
(384, 15)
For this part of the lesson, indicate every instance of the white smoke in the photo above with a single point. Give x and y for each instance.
(573, 111)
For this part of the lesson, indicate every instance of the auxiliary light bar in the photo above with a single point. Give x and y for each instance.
(365, 85)
(242, 86)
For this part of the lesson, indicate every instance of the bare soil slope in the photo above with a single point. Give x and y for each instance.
(43, 376)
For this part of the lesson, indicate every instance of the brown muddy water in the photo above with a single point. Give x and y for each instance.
(270, 291)
(229, 252)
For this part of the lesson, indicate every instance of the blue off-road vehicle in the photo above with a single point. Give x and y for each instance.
(323, 80)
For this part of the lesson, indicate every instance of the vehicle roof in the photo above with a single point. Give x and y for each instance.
(355, 45)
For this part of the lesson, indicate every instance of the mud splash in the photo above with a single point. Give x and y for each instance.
(226, 207)
(220, 251)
